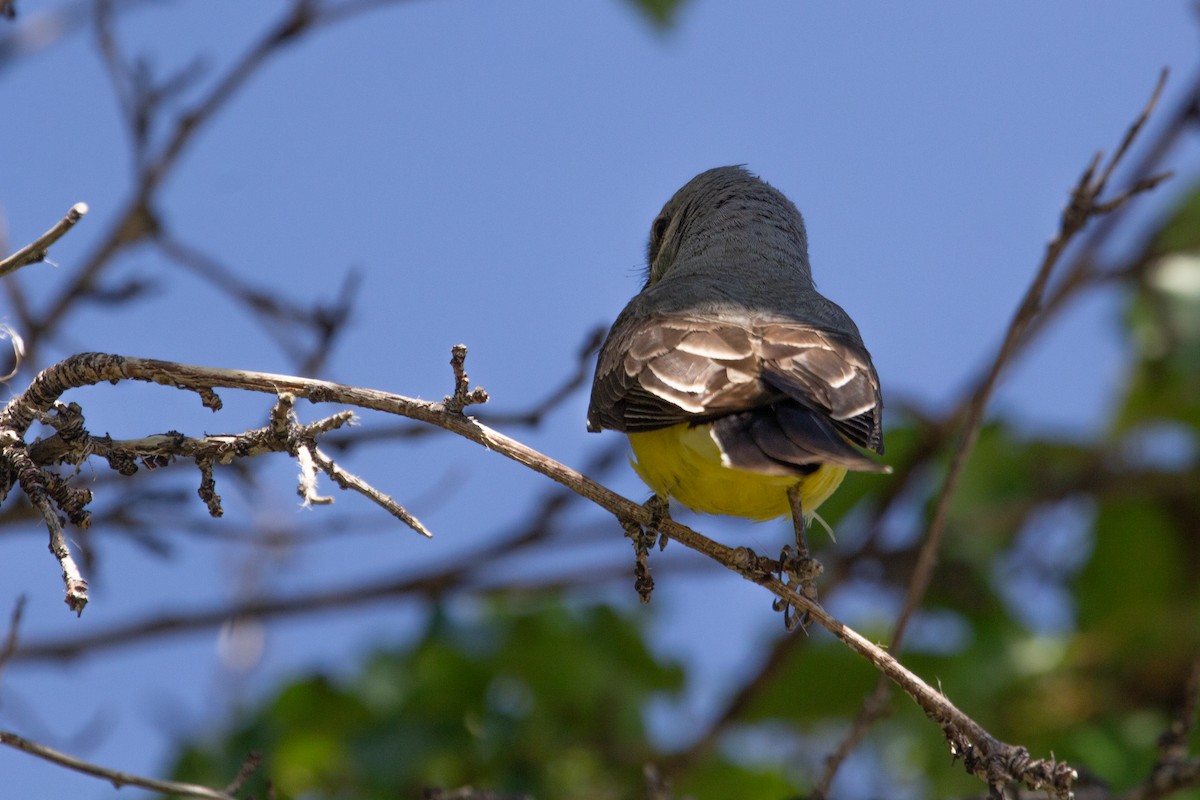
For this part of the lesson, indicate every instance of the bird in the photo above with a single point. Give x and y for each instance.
(743, 391)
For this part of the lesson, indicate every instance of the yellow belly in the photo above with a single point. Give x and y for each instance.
(684, 462)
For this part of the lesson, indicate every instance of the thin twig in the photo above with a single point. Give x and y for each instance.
(10, 639)
(300, 441)
(307, 488)
(252, 762)
(208, 486)
(1131, 134)
(1168, 779)
(534, 416)
(34, 484)
(348, 480)
(37, 250)
(117, 778)
(463, 395)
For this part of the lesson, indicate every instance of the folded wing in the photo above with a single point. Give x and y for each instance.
(789, 391)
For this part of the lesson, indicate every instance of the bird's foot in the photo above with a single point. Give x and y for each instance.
(643, 538)
(660, 509)
(799, 571)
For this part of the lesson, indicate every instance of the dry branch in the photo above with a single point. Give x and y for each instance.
(982, 754)
(10, 639)
(1086, 203)
(117, 778)
(71, 444)
(36, 251)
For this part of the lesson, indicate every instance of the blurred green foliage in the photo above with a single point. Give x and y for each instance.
(1068, 600)
(543, 700)
(660, 12)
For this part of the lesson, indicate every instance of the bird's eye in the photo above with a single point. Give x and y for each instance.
(657, 230)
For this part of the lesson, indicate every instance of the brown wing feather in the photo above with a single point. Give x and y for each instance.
(830, 371)
(668, 369)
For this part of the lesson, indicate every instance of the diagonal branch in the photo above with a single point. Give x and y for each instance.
(36, 251)
(117, 778)
(1085, 204)
(982, 754)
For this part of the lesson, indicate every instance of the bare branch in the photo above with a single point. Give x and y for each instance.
(208, 486)
(982, 754)
(252, 762)
(34, 484)
(72, 444)
(300, 441)
(1131, 134)
(348, 480)
(307, 487)
(115, 777)
(76, 586)
(10, 639)
(1168, 779)
(1084, 205)
(37, 250)
(1141, 186)
(463, 396)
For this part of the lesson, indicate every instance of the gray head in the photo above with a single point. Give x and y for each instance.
(732, 220)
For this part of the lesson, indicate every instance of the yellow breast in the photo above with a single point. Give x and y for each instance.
(685, 462)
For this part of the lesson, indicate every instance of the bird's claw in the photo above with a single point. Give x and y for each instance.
(800, 572)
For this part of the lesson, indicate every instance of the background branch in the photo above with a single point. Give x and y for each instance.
(1084, 205)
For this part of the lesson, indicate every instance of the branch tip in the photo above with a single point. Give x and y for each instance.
(36, 251)
(462, 396)
(115, 777)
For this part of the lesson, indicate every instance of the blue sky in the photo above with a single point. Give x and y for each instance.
(492, 171)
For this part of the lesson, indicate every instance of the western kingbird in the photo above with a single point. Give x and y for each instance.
(741, 388)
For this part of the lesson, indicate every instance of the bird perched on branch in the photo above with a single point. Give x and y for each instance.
(742, 389)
